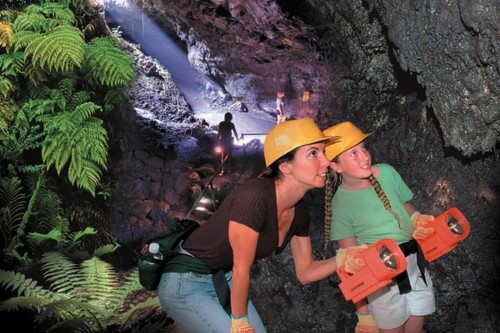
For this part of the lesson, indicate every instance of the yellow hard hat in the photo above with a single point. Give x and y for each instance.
(289, 135)
(349, 134)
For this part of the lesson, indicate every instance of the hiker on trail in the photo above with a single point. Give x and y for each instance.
(280, 106)
(258, 219)
(226, 140)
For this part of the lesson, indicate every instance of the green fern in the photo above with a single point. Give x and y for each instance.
(77, 294)
(23, 286)
(33, 22)
(4, 128)
(58, 13)
(12, 64)
(13, 204)
(64, 274)
(106, 64)
(60, 50)
(47, 303)
(78, 139)
(35, 75)
(6, 86)
(8, 110)
(113, 98)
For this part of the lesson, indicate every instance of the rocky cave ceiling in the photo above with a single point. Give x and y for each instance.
(370, 50)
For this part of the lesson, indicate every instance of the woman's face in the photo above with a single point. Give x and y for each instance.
(355, 162)
(309, 165)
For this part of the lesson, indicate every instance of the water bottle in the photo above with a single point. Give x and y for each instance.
(150, 266)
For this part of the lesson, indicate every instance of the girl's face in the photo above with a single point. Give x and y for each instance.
(354, 162)
(309, 165)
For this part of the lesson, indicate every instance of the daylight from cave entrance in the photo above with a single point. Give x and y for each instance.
(139, 28)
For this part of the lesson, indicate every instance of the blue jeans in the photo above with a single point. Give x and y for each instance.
(190, 299)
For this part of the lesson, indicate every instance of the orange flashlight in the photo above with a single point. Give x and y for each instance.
(384, 260)
(451, 228)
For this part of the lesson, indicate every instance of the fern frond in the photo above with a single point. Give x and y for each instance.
(13, 203)
(18, 303)
(7, 16)
(23, 38)
(35, 109)
(23, 286)
(77, 236)
(113, 98)
(104, 249)
(61, 49)
(80, 140)
(35, 75)
(58, 14)
(106, 64)
(4, 129)
(101, 282)
(68, 309)
(29, 21)
(49, 211)
(35, 238)
(6, 34)
(8, 110)
(64, 274)
(81, 98)
(67, 87)
(12, 64)
(6, 86)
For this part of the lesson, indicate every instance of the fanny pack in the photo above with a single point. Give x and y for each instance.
(150, 274)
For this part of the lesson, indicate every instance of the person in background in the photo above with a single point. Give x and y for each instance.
(280, 106)
(226, 140)
(371, 202)
(259, 218)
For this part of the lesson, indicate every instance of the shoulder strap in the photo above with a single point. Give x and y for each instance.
(178, 230)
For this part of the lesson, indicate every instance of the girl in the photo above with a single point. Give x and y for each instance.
(373, 202)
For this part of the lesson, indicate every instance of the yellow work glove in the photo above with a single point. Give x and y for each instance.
(351, 258)
(241, 325)
(419, 221)
(366, 324)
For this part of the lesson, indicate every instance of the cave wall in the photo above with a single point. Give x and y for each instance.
(422, 75)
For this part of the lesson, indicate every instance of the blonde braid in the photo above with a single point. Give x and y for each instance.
(381, 195)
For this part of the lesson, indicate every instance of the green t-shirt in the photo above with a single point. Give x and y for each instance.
(360, 213)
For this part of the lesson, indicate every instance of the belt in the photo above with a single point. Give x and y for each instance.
(402, 279)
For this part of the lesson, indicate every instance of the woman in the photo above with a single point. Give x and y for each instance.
(258, 218)
(373, 202)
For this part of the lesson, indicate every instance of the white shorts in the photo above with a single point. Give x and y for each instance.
(392, 309)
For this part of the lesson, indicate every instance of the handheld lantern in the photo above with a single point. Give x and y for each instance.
(451, 228)
(384, 260)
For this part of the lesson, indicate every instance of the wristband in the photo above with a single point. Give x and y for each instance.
(239, 317)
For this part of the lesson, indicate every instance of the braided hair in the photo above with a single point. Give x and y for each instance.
(332, 183)
(381, 195)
